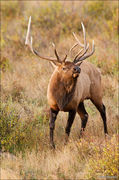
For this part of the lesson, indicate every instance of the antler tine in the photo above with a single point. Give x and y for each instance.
(76, 44)
(85, 46)
(82, 45)
(84, 32)
(78, 55)
(28, 32)
(56, 53)
(64, 58)
(29, 40)
(77, 58)
(87, 55)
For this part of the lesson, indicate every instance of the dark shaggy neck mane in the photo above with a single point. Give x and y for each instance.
(63, 92)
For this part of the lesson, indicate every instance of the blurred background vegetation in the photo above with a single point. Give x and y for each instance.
(24, 80)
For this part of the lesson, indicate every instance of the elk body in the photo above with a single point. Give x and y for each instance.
(71, 83)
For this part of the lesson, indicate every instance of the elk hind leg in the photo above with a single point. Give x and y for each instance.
(84, 117)
(101, 108)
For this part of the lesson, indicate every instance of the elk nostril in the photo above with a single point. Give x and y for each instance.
(75, 68)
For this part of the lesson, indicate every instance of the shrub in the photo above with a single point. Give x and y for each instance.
(55, 18)
(16, 134)
(49, 16)
(101, 17)
(9, 9)
(104, 160)
(97, 10)
(5, 64)
(12, 9)
(8, 125)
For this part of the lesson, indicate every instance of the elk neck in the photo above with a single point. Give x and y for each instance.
(62, 89)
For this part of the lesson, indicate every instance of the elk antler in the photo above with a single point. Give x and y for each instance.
(56, 53)
(85, 48)
(28, 42)
(87, 55)
(58, 58)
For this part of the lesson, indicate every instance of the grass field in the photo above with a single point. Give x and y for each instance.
(24, 118)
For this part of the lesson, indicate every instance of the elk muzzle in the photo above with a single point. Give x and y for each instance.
(76, 71)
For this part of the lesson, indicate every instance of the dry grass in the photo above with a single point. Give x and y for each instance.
(67, 162)
(24, 81)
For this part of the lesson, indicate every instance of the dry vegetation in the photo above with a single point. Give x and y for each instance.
(24, 79)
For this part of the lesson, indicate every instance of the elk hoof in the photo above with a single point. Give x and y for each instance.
(52, 145)
(81, 134)
(107, 137)
(66, 139)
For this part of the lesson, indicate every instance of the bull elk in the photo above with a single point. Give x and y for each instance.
(70, 84)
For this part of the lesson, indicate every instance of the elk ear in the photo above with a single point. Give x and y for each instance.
(79, 63)
(55, 64)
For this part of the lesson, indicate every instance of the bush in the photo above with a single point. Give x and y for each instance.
(101, 17)
(9, 121)
(55, 18)
(16, 134)
(49, 16)
(97, 10)
(104, 160)
(9, 9)
(5, 64)
(12, 9)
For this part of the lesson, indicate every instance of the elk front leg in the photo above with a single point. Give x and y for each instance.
(84, 117)
(53, 115)
(71, 117)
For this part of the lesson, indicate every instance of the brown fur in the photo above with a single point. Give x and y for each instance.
(65, 92)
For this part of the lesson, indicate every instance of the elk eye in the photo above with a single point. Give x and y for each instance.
(64, 68)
